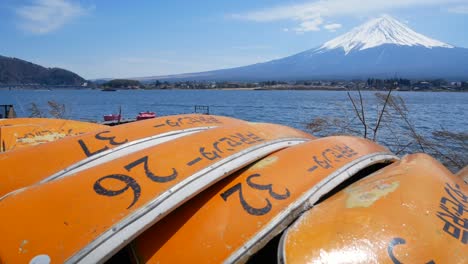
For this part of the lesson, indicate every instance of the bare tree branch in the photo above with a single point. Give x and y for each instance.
(361, 118)
(57, 110)
(376, 128)
(35, 111)
(398, 132)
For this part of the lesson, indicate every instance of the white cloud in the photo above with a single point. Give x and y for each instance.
(309, 25)
(44, 16)
(309, 13)
(462, 9)
(332, 27)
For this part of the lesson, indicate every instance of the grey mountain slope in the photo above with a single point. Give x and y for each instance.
(384, 61)
(382, 47)
(17, 71)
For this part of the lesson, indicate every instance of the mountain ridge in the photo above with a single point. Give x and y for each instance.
(18, 71)
(383, 47)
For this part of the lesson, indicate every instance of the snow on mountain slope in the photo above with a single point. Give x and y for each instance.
(383, 30)
(380, 48)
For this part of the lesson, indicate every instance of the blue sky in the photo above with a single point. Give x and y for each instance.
(120, 38)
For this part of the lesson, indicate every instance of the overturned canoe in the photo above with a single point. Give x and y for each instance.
(48, 160)
(413, 211)
(16, 133)
(232, 220)
(89, 216)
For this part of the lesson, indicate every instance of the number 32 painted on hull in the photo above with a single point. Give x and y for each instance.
(261, 187)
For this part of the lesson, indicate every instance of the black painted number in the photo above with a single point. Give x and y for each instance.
(251, 210)
(246, 206)
(100, 136)
(148, 173)
(111, 140)
(129, 182)
(268, 187)
(398, 241)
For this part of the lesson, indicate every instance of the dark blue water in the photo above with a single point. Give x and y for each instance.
(428, 111)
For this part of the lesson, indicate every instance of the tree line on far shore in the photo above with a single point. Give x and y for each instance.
(369, 84)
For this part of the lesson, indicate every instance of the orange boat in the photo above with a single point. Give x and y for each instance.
(89, 216)
(73, 152)
(16, 133)
(232, 220)
(413, 211)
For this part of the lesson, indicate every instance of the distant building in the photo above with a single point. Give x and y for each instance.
(422, 86)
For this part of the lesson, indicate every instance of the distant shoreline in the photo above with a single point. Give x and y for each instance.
(328, 89)
(45, 89)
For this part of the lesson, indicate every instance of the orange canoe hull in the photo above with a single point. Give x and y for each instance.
(233, 219)
(413, 211)
(17, 133)
(88, 216)
(47, 159)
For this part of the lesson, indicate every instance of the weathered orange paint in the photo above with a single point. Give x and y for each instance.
(208, 229)
(413, 211)
(61, 217)
(463, 174)
(16, 133)
(26, 166)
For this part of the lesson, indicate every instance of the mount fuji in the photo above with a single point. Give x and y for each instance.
(380, 48)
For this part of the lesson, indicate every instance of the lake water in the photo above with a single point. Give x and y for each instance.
(429, 111)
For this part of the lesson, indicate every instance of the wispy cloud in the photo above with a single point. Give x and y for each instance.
(309, 25)
(461, 9)
(311, 14)
(332, 27)
(44, 16)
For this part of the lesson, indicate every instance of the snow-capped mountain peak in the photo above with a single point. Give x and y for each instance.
(379, 31)
(381, 48)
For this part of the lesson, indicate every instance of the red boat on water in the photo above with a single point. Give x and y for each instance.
(112, 117)
(145, 115)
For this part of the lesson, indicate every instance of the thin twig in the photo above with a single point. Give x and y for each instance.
(362, 112)
(35, 111)
(402, 110)
(404, 147)
(358, 115)
(374, 138)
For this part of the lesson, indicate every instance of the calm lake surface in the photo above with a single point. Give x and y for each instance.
(428, 110)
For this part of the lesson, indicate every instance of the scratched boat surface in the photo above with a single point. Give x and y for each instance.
(43, 161)
(232, 220)
(16, 133)
(463, 174)
(413, 211)
(88, 217)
